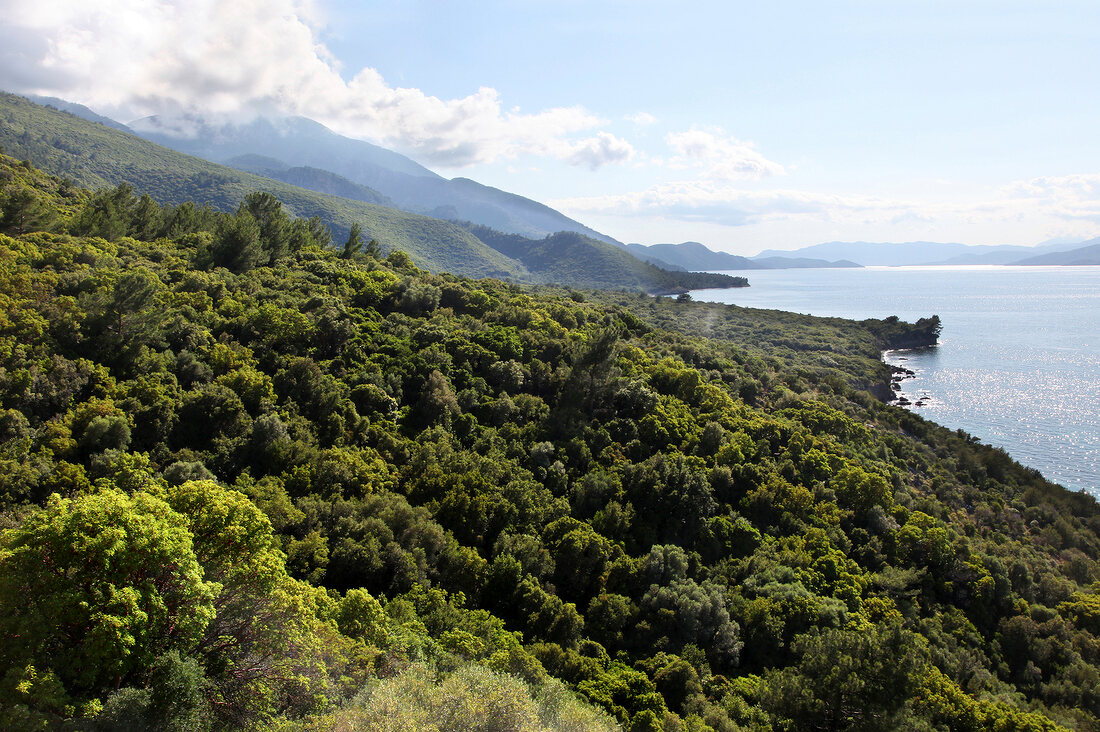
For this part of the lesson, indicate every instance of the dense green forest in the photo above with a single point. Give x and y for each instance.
(254, 478)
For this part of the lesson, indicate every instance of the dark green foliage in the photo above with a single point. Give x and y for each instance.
(848, 680)
(22, 210)
(896, 334)
(237, 245)
(354, 244)
(278, 473)
(176, 698)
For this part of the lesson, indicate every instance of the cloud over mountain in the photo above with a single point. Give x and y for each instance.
(249, 57)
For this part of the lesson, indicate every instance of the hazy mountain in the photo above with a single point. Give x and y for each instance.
(94, 155)
(1003, 255)
(894, 254)
(301, 142)
(77, 109)
(1084, 255)
(1009, 254)
(874, 253)
(314, 179)
(696, 257)
(802, 263)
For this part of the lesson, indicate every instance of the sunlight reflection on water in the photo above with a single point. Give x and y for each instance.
(1018, 364)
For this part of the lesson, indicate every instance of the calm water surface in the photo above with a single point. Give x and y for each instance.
(1018, 364)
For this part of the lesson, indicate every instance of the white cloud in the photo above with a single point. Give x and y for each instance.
(708, 201)
(1073, 197)
(238, 59)
(642, 119)
(719, 156)
(595, 152)
(1067, 204)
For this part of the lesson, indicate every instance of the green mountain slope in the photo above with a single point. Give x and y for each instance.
(302, 142)
(692, 255)
(313, 179)
(94, 155)
(571, 257)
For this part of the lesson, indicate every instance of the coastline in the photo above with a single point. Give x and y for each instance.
(899, 374)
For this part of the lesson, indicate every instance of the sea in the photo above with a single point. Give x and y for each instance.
(1018, 362)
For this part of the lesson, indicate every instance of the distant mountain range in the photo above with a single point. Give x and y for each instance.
(307, 156)
(94, 154)
(693, 256)
(893, 254)
(1086, 254)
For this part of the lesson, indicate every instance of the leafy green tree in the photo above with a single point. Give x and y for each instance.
(373, 249)
(106, 213)
(176, 697)
(128, 313)
(95, 588)
(264, 644)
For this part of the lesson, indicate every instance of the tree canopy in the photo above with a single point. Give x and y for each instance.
(328, 491)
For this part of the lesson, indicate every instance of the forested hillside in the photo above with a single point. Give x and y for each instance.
(250, 480)
(300, 142)
(96, 156)
(569, 257)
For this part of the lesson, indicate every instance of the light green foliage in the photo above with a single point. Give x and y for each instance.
(95, 587)
(472, 699)
(361, 616)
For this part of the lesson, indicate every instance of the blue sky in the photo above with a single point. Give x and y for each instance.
(742, 125)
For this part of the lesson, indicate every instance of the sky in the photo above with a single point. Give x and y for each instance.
(745, 126)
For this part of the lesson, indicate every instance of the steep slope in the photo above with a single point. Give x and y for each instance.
(298, 141)
(94, 155)
(313, 179)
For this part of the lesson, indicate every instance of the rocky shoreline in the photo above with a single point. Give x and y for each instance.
(898, 374)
